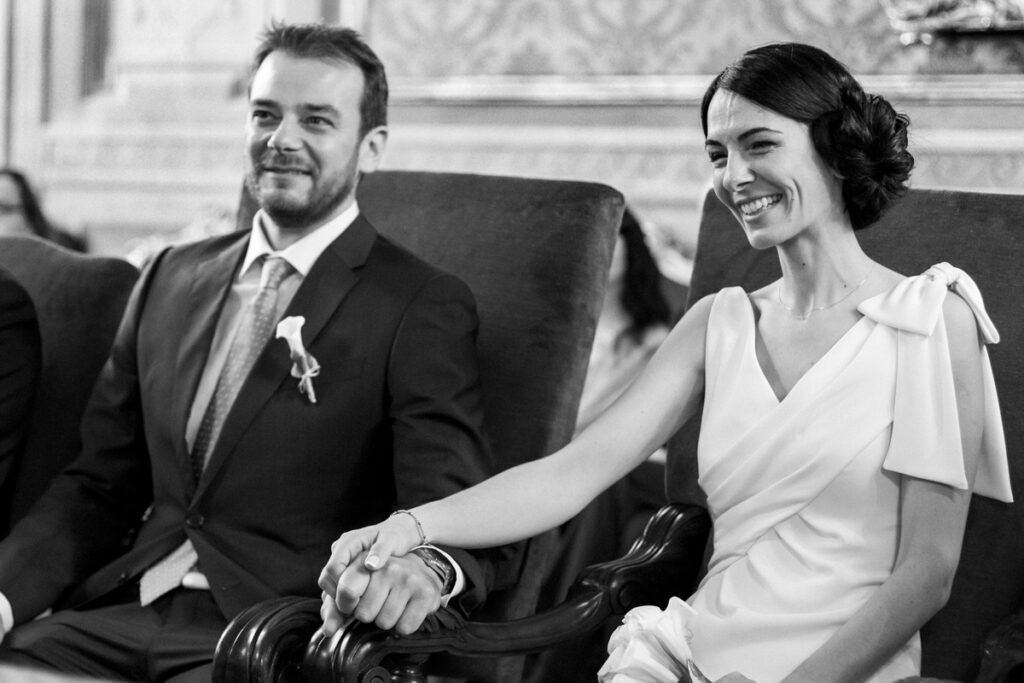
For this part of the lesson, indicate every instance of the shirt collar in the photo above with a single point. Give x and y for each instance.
(302, 254)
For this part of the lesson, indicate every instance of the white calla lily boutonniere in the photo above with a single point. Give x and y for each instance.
(304, 366)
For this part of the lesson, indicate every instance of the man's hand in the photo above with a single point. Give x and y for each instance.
(371, 547)
(399, 595)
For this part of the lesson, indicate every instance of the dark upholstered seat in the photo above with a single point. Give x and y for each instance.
(79, 300)
(535, 254)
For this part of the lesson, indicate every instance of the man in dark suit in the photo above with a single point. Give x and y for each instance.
(246, 455)
(19, 370)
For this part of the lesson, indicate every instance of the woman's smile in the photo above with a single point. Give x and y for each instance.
(752, 208)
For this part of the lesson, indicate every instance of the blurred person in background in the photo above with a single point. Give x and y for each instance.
(634, 320)
(21, 213)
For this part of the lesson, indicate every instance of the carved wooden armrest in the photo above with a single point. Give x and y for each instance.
(268, 642)
(1002, 652)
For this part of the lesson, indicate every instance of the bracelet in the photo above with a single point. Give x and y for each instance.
(439, 564)
(419, 527)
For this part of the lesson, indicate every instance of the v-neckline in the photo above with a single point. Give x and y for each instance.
(755, 335)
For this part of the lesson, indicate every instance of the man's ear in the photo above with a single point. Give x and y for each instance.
(371, 149)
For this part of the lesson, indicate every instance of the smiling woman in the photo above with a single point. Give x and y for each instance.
(848, 411)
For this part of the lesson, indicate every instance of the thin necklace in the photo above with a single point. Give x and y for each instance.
(831, 305)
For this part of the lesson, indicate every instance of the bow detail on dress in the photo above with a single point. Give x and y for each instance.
(925, 405)
(915, 303)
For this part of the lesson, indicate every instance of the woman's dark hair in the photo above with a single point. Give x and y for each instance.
(642, 296)
(34, 216)
(29, 204)
(859, 135)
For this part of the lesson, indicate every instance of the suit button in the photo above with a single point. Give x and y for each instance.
(123, 577)
(195, 520)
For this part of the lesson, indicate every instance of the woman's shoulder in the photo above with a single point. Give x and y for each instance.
(690, 332)
(730, 297)
(917, 303)
(725, 311)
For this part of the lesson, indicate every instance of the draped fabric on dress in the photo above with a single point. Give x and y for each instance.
(804, 491)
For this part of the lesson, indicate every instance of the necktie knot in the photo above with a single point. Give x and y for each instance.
(275, 270)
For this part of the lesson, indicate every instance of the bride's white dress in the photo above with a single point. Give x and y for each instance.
(804, 491)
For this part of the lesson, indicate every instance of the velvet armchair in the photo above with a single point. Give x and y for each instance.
(79, 300)
(536, 254)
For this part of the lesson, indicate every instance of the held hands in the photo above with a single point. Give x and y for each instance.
(400, 595)
(396, 535)
(370, 577)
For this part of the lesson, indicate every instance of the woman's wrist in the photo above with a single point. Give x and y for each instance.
(408, 520)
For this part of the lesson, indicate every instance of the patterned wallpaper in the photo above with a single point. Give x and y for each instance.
(437, 38)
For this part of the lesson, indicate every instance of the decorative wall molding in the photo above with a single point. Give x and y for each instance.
(681, 90)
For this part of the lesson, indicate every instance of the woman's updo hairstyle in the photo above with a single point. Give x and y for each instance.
(858, 135)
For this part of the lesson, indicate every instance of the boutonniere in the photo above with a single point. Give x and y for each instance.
(304, 366)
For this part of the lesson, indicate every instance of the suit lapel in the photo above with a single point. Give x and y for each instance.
(318, 297)
(210, 283)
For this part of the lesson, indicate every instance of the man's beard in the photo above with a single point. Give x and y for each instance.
(298, 214)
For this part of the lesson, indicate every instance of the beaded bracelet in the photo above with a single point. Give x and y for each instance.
(419, 527)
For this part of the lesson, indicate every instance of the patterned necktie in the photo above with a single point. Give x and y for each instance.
(250, 337)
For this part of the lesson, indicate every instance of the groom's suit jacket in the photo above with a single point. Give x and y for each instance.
(397, 422)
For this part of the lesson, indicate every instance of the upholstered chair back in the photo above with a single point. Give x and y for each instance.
(79, 300)
(535, 254)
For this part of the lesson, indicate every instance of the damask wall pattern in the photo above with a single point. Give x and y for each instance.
(444, 38)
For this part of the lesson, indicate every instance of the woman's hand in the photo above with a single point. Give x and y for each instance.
(344, 578)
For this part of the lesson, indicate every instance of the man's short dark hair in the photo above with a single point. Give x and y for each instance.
(319, 41)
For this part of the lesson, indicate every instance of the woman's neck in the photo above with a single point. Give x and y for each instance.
(820, 268)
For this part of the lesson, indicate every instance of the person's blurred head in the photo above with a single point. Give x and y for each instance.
(858, 136)
(20, 213)
(635, 268)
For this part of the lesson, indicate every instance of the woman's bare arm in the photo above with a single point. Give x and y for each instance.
(537, 496)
